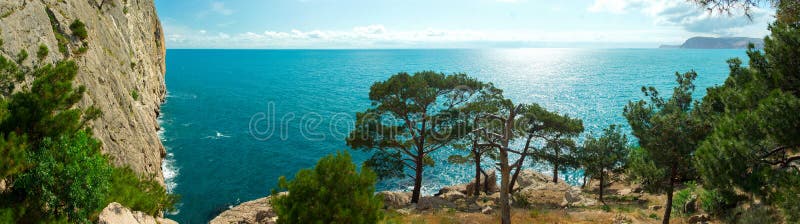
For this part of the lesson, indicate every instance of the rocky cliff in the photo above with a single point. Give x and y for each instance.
(121, 64)
(718, 43)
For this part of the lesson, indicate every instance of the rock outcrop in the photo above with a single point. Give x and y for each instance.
(121, 65)
(536, 188)
(718, 43)
(115, 213)
(257, 211)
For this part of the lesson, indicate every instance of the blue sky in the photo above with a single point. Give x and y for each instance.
(329, 24)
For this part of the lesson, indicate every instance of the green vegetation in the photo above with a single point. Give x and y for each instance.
(42, 52)
(79, 29)
(423, 110)
(754, 141)
(333, 192)
(56, 171)
(603, 155)
(21, 56)
(668, 133)
(135, 94)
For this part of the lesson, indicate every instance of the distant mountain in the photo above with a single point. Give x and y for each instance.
(717, 43)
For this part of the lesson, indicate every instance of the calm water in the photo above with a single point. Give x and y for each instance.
(215, 161)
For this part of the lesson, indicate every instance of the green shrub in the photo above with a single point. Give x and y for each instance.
(135, 94)
(333, 192)
(139, 194)
(71, 178)
(42, 52)
(21, 56)
(684, 200)
(79, 29)
(12, 154)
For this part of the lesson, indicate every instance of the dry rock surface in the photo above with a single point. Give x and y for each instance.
(122, 66)
(257, 211)
(115, 213)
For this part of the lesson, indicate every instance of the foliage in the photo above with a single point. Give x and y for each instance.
(605, 154)
(42, 52)
(668, 133)
(412, 116)
(12, 155)
(685, 200)
(557, 132)
(21, 56)
(47, 109)
(70, 178)
(79, 29)
(139, 194)
(56, 169)
(333, 192)
(755, 140)
(135, 94)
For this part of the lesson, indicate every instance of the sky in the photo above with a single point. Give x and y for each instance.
(358, 24)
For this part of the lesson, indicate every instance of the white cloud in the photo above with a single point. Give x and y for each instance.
(219, 7)
(690, 17)
(378, 36)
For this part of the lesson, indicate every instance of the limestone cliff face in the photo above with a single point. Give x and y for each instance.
(122, 66)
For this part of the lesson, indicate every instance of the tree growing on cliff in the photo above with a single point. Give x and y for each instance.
(58, 173)
(412, 116)
(556, 131)
(488, 101)
(333, 192)
(604, 154)
(668, 133)
(510, 123)
(754, 147)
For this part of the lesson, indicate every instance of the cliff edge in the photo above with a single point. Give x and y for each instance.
(121, 64)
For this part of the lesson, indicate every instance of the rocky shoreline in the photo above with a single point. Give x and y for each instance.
(533, 188)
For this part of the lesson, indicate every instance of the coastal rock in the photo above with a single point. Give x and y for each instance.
(394, 199)
(115, 213)
(124, 54)
(428, 202)
(486, 183)
(257, 211)
(538, 189)
(462, 188)
(699, 219)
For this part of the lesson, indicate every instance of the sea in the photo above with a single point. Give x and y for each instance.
(234, 121)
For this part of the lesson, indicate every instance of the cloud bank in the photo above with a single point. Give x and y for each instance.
(690, 17)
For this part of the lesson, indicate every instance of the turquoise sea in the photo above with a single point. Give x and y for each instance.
(214, 96)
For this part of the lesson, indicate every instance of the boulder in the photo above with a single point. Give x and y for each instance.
(537, 188)
(428, 202)
(453, 196)
(462, 188)
(699, 219)
(394, 199)
(257, 211)
(115, 213)
(486, 210)
(492, 183)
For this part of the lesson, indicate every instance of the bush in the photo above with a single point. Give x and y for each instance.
(79, 29)
(139, 194)
(135, 94)
(684, 200)
(333, 192)
(71, 178)
(21, 56)
(42, 52)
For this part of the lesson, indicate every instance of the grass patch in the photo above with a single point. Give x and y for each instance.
(135, 94)
(42, 52)
(79, 29)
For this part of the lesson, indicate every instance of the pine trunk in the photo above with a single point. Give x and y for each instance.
(417, 180)
(670, 188)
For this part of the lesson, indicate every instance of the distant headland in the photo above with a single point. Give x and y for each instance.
(717, 43)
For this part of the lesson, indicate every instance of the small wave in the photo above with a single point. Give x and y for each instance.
(218, 135)
(170, 172)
